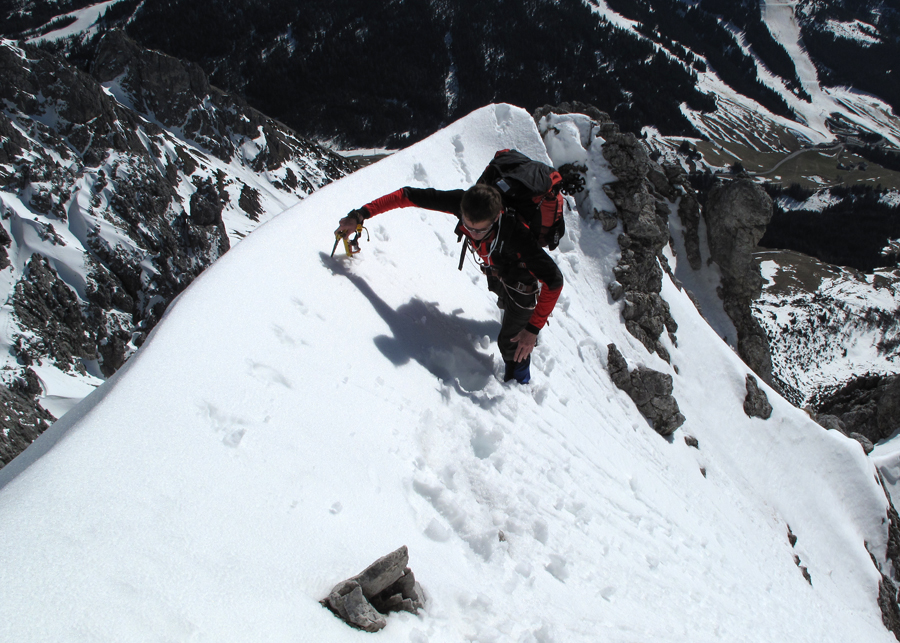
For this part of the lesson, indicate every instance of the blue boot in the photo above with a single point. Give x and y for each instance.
(519, 371)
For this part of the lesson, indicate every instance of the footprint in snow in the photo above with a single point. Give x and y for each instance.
(419, 173)
(503, 115)
(485, 443)
(282, 336)
(558, 567)
(233, 428)
(460, 149)
(267, 374)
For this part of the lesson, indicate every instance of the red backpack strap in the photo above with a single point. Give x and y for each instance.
(556, 181)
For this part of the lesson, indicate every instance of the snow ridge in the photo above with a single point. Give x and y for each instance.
(294, 417)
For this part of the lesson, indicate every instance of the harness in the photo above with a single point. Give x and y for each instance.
(482, 253)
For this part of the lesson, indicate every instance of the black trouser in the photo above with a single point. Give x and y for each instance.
(517, 309)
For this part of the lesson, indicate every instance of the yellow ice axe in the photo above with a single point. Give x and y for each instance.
(351, 245)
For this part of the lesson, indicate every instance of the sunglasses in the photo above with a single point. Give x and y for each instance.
(478, 233)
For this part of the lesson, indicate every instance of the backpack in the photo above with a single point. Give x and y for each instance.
(532, 190)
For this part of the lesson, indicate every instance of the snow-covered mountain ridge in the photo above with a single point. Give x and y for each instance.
(116, 190)
(332, 410)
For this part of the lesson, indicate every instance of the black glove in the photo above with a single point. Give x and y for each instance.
(360, 214)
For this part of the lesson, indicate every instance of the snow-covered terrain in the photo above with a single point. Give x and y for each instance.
(137, 217)
(294, 417)
(826, 324)
(66, 249)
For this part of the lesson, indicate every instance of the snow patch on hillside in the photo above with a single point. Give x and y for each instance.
(602, 9)
(856, 30)
(85, 19)
(816, 203)
(826, 324)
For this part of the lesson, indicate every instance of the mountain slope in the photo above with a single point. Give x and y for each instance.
(332, 410)
(116, 190)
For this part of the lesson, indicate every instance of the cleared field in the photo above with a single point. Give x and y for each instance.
(811, 168)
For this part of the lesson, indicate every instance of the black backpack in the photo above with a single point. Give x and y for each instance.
(531, 190)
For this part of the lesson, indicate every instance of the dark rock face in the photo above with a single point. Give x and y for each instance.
(23, 419)
(887, 602)
(887, 590)
(385, 586)
(650, 390)
(642, 206)
(5, 242)
(868, 406)
(93, 171)
(736, 215)
(47, 307)
(864, 442)
(831, 422)
(756, 404)
(249, 202)
(688, 212)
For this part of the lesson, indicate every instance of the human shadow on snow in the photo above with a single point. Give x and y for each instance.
(442, 343)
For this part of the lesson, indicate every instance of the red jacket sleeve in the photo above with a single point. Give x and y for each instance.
(392, 201)
(428, 198)
(545, 304)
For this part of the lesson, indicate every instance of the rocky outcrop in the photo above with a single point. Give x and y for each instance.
(756, 403)
(688, 213)
(640, 198)
(736, 216)
(178, 95)
(868, 406)
(650, 390)
(385, 586)
(50, 310)
(864, 442)
(22, 420)
(644, 211)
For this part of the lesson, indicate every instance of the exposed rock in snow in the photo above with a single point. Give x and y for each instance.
(50, 313)
(756, 404)
(23, 418)
(736, 215)
(650, 390)
(868, 405)
(865, 442)
(387, 585)
(644, 215)
(826, 324)
(623, 184)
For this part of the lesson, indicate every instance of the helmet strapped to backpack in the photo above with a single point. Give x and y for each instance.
(531, 190)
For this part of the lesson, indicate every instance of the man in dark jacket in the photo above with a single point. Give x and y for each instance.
(525, 279)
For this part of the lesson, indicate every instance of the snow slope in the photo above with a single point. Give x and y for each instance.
(294, 417)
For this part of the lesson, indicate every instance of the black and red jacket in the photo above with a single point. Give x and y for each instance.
(516, 257)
